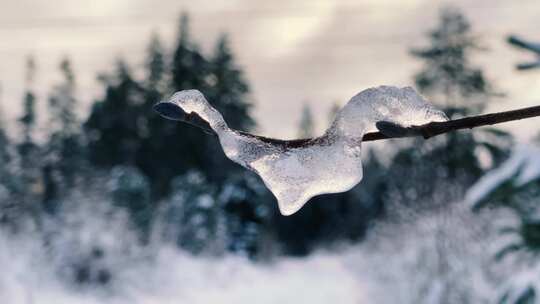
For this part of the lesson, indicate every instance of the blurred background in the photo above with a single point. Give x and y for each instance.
(103, 201)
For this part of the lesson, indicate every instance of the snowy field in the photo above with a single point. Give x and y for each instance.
(168, 275)
(174, 277)
(398, 262)
(444, 256)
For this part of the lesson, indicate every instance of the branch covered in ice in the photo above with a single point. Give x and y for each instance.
(426, 130)
(297, 170)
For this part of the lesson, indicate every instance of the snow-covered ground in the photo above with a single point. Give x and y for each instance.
(419, 261)
(173, 276)
(444, 256)
(96, 244)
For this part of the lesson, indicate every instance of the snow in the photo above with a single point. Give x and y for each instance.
(173, 276)
(433, 258)
(521, 285)
(329, 164)
(523, 164)
(40, 266)
(35, 272)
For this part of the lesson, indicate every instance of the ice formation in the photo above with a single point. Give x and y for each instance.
(328, 164)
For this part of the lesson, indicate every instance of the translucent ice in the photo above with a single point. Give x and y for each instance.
(328, 164)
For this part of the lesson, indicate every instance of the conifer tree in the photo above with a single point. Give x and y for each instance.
(155, 65)
(449, 78)
(28, 172)
(189, 67)
(62, 102)
(163, 155)
(306, 127)
(7, 178)
(5, 143)
(332, 113)
(448, 75)
(27, 120)
(151, 127)
(112, 129)
(228, 92)
(228, 89)
(429, 176)
(64, 150)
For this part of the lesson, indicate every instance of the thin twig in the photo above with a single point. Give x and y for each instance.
(427, 131)
(436, 128)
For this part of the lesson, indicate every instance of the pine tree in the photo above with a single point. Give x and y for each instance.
(448, 79)
(28, 169)
(27, 148)
(222, 82)
(130, 189)
(155, 65)
(429, 176)
(152, 128)
(28, 118)
(517, 192)
(112, 129)
(192, 215)
(229, 90)
(5, 143)
(306, 127)
(178, 146)
(181, 147)
(189, 67)
(448, 75)
(62, 103)
(334, 110)
(5, 157)
(246, 207)
(242, 210)
(64, 148)
(7, 178)
(116, 131)
(122, 129)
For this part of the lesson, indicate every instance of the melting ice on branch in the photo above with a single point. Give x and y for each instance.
(328, 164)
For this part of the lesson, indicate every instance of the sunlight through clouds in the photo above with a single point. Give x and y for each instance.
(285, 33)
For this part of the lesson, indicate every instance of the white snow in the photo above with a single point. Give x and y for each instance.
(38, 269)
(329, 165)
(520, 284)
(433, 258)
(173, 276)
(524, 165)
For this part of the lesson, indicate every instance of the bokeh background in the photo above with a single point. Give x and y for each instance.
(103, 201)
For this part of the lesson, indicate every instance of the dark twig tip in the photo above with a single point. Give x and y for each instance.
(169, 110)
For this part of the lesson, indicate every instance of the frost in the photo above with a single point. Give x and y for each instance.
(328, 164)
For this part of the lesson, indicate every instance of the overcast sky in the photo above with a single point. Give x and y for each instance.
(293, 52)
